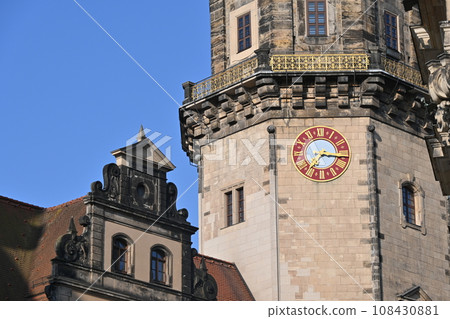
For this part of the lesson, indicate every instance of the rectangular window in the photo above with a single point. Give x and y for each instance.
(240, 193)
(391, 30)
(244, 32)
(317, 18)
(229, 208)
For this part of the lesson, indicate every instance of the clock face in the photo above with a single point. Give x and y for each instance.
(321, 153)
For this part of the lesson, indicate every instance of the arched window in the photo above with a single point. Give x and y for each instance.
(409, 206)
(161, 265)
(158, 266)
(120, 255)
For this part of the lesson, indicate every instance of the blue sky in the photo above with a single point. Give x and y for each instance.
(69, 94)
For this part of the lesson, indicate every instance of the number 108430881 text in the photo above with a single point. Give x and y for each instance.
(405, 310)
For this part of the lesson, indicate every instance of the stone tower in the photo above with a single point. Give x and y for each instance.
(310, 143)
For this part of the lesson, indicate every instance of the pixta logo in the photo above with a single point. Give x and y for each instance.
(148, 150)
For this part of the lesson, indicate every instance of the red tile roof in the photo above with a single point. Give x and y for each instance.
(230, 284)
(20, 228)
(55, 221)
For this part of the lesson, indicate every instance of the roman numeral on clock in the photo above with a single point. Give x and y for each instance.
(338, 143)
(332, 171)
(302, 164)
(340, 163)
(320, 131)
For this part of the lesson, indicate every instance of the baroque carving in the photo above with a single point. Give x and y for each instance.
(205, 286)
(172, 211)
(73, 248)
(111, 173)
(439, 87)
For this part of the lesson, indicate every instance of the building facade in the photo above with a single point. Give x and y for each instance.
(432, 43)
(124, 240)
(310, 143)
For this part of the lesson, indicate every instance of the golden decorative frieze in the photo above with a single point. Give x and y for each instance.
(223, 79)
(403, 71)
(319, 62)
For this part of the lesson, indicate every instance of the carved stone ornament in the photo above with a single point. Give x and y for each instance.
(205, 286)
(172, 194)
(443, 117)
(172, 211)
(111, 173)
(439, 87)
(73, 248)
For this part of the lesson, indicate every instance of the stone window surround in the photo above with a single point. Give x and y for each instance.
(130, 251)
(169, 264)
(235, 202)
(233, 51)
(419, 199)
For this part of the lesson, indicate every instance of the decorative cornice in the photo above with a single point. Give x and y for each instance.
(373, 93)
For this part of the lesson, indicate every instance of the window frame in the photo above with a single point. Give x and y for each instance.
(126, 253)
(240, 204)
(388, 26)
(229, 208)
(316, 14)
(233, 205)
(418, 196)
(408, 204)
(167, 266)
(245, 36)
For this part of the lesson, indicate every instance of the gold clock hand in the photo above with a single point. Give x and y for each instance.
(316, 158)
(334, 154)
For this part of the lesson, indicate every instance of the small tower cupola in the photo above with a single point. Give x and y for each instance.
(142, 155)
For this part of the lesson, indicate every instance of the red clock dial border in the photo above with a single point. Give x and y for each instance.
(320, 132)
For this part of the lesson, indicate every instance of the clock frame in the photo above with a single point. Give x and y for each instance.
(321, 153)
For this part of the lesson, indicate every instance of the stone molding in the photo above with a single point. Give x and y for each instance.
(270, 95)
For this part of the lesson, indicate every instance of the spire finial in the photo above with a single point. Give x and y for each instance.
(72, 229)
(141, 135)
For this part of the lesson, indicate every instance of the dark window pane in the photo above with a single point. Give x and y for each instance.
(158, 266)
(247, 19)
(240, 192)
(321, 30)
(229, 208)
(247, 31)
(320, 6)
(312, 7)
(312, 18)
(247, 43)
(241, 34)
(408, 205)
(312, 30)
(240, 22)
(321, 18)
